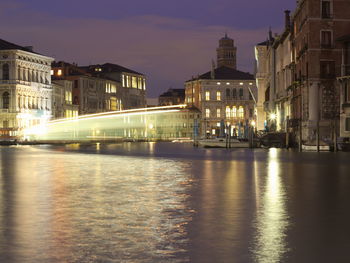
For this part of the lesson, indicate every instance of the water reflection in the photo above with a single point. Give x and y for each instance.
(272, 220)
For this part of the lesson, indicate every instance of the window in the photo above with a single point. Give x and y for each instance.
(234, 93)
(218, 113)
(228, 93)
(327, 69)
(326, 9)
(52, 72)
(207, 113)
(134, 82)
(123, 80)
(234, 112)
(5, 72)
(207, 95)
(240, 93)
(347, 124)
(218, 95)
(59, 72)
(5, 100)
(240, 112)
(228, 112)
(326, 38)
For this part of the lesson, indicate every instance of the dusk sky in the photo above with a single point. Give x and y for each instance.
(169, 41)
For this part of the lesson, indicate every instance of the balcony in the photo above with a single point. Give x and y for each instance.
(345, 70)
(15, 82)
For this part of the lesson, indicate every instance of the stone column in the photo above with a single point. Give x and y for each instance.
(313, 103)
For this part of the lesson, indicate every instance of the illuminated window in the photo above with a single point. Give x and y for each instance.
(218, 113)
(241, 83)
(134, 82)
(234, 112)
(207, 95)
(218, 95)
(240, 112)
(52, 72)
(207, 113)
(227, 83)
(218, 83)
(59, 72)
(144, 84)
(123, 80)
(228, 112)
(128, 81)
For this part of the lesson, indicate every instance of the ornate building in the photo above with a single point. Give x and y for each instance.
(25, 89)
(224, 95)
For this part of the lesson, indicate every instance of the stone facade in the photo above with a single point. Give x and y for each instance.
(25, 89)
(344, 83)
(62, 100)
(303, 63)
(226, 99)
(317, 63)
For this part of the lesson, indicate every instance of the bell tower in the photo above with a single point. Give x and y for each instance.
(226, 53)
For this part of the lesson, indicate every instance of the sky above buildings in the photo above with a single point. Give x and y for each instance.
(169, 41)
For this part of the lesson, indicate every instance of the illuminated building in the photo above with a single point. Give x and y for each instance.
(132, 84)
(172, 97)
(274, 79)
(311, 60)
(90, 93)
(62, 100)
(224, 95)
(25, 89)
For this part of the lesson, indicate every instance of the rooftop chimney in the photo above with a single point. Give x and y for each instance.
(287, 19)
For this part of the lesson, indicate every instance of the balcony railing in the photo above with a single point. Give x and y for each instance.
(345, 70)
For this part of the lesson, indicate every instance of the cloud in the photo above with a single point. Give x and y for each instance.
(168, 50)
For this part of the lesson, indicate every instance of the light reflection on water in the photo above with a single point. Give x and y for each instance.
(272, 220)
(141, 202)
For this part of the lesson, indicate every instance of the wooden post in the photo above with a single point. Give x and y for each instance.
(335, 135)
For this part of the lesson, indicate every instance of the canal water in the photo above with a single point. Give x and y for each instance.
(167, 202)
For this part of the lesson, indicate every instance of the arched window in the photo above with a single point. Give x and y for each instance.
(234, 93)
(234, 112)
(228, 93)
(241, 93)
(241, 112)
(5, 72)
(228, 112)
(5, 100)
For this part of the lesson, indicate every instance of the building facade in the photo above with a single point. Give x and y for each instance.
(172, 97)
(316, 25)
(25, 89)
(92, 94)
(304, 62)
(62, 100)
(225, 96)
(132, 84)
(344, 83)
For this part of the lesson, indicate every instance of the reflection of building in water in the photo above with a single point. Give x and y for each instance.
(159, 123)
(25, 89)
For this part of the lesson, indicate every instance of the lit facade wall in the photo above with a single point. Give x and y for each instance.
(25, 91)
